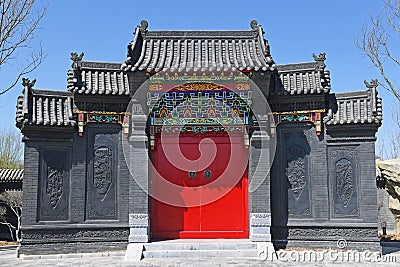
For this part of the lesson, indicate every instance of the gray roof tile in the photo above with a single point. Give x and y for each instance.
(11, 175)
(97, 78)
(198, 50)
(42, 107)
(303, 78)
(363, 107)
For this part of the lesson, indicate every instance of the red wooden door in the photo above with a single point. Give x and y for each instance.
(213, 203)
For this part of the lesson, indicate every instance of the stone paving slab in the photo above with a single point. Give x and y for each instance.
(118, 261)
(287, 258)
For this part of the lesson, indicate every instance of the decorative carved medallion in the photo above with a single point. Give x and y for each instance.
(102, 170)
(296, 169)
(344, 180)
(54, 182)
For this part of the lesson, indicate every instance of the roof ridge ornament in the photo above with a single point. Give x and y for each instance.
(26, 82)
(27, 98)
(75, 57)
(259, 31)
(143, 26)
(372, 85)
(73, 74)
(320, 60)
(254, 24)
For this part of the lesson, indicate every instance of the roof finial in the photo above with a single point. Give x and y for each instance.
(26, 82)
(320, 59)
(27, 98)
(75, 57)
(254, 24)
(372, 85)
(143, 25)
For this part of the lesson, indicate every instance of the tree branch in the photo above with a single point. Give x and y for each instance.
(374, 43)
(18, 25)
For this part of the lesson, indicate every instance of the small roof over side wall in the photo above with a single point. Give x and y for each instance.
(43, 107)
(198, 50)
(360, 107)
(97, 78)
(304, 78)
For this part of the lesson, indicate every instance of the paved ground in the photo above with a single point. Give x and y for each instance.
(287, 258)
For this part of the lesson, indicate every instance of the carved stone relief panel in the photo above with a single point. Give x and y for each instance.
(295, 162)
(102, 172)
(296, 169)
(54, 183)
(343, 176)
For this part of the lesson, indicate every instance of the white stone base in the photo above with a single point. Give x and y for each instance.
(260, 224)
(139, 228)
(134, 252)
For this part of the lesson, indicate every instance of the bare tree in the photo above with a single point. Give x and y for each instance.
(11, 149)
(376, 41)
(12, 200)
(388, 145)
(19, 20)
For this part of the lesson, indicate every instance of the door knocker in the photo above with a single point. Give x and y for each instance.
(192, 174)
(207, 174)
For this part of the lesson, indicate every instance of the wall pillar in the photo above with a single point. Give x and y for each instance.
(259, 187)
(138, 186)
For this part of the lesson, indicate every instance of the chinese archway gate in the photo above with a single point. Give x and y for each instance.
(199, 151)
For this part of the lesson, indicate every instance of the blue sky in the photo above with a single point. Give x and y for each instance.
(294, 29)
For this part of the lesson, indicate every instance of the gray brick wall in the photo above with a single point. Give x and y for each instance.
(322, 178)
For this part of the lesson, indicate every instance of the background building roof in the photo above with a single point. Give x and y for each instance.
(11, 175)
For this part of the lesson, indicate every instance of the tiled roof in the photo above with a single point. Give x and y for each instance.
(11, 175)
(355, 107)
(42, 107)
(97, 78)
(198, 50)
(303, 78)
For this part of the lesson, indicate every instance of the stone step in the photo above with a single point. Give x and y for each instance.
(200, 253)
(200, 249)
(199, 246)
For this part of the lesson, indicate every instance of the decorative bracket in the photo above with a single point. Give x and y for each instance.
(313, 116)
(102, 117)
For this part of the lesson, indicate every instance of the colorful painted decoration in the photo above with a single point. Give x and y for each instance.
(210, 108)
(102, 117)
(313, 116)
